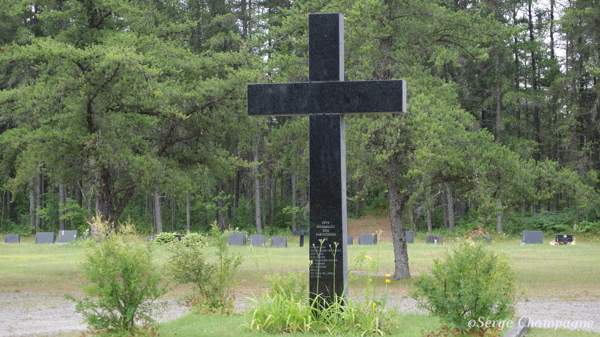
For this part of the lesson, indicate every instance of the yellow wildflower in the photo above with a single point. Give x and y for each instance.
(387, 281)
(368, 257)
(388, 275)
(374, 305)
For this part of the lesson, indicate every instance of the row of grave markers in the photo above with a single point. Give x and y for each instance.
(44, 237)
(527, 237)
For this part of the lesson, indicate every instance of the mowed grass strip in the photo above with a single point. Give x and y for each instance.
(403, 325)
(568, 272)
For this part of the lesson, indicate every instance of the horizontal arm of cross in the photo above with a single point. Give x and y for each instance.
(294, 99)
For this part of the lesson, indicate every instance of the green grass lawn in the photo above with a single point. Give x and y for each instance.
(569, 272)
(565, 272)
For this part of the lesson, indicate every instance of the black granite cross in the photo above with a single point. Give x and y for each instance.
(325, 99)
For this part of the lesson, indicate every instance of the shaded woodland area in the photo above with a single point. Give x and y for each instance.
(136, 111)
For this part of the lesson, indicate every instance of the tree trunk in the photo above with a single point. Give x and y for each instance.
(62, 204)
(256, 187)
(499, 216)
(157, 216)
(396, 204)
(411, 220)
(32, 205)
(173, 206)
(89, 201)
(188, 220)
(38, 200)
(450, 202)
(294, 180)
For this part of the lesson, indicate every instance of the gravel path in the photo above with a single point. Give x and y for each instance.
(33, 314)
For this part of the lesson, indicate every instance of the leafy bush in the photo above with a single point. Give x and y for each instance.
(165, 238)
(124, 285)
(291, 285)
(469, 283)
(549, 222)
(193, 239)
(212, 281)
(282, 312)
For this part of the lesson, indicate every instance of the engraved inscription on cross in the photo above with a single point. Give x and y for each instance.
(326, 98)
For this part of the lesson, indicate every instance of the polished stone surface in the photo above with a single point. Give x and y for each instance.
(367, 239)
(326, 47)
(279, 242)
(563, 239)
(436, 239)
(409, 236)
(326, 98)
(294, 99)
(532, 237)
(327, 214)
(12, 238)
(45, 237)
(257, 240)
(349, 240)
(151, 238)
(67, 236)
(236, 239)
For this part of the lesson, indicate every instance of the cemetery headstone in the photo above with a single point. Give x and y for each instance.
(301, 233)
(435, 239)
(487, 238)
(409, 236)
(563, 239)
(257, 240)
(532, 237)
(151, 238)
(12, 238)
(279, 242)
(367, 239)
(349, 240)
(236, 239)
(45, 237)
(67, 236)
(325, 98)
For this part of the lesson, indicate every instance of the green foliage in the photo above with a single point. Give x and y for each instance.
(468, 283)
(284, 313)
(212, 280)
(549, 222)
(165, 238)
(124, 285)
(292, 285)
(193, 239)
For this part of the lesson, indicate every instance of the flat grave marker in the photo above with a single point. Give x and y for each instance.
(67, 236)
(326, 98)
(279, 242)
(12, 238)
(564, 239)
(257, 240)
(236, 239)
(45, 237)
(409, 236)
(435, 239)
(367, 239)
(532, 237)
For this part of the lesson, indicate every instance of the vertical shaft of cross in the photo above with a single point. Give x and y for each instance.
(327, 161)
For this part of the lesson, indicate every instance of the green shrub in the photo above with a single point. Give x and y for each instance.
(291, 285)
(285, 313)
(469, 283)
(165, 238)
(193, 239)
(124, 285)
(213, 281)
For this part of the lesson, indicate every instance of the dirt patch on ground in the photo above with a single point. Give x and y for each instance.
(369, 225)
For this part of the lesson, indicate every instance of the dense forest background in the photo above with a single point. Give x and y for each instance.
(135, 110)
